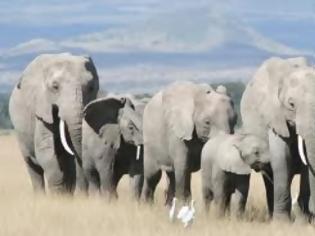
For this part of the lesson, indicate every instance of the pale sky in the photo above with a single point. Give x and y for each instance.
(141, 45)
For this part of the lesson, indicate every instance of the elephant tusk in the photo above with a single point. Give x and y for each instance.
(264, 173)
(301, 150)
(63, 137)
(138, 152)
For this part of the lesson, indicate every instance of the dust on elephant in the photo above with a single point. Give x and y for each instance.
(226, 162)
(112, 145)
(46, 110)
(279, 105)
(177, 122)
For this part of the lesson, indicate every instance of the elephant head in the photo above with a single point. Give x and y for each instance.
(115, 120)
(291, 103)
(198, 109)
(242, 152)
(67, 83)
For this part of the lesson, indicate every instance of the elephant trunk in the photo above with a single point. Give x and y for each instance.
(306, 129)
(71, 114)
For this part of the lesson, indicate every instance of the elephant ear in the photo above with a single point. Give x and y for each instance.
(231, 161)
(37, 70)
(222, 89)
(110, 134)
(178, 107)
(272, 73)
(103, 111)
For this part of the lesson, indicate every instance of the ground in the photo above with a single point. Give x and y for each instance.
(23, 213)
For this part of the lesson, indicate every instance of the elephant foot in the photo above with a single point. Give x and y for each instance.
(282, 218)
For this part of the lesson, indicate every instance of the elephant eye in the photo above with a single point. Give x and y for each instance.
(55, 86)
(291, 104)
(256, 153)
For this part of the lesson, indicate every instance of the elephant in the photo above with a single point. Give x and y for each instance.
(226, 162)
(278, 104)
(112, 145)
(177, 122)
(46, 108)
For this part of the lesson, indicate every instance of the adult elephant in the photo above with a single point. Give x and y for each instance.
(177, 122)
(112, 144)
(46, 110)
(279, 105)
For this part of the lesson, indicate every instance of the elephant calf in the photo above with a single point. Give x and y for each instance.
(112, 141)
(226, 163)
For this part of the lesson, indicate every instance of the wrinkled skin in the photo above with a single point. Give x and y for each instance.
(226, 163)
(52, 88)
(279, 104)
(112, 130)
(177, 122)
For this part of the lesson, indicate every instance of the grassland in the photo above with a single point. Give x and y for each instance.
(23, 213)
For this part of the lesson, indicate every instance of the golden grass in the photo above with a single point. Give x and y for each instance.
(23, 213)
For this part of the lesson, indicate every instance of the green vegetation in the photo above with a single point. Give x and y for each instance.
(236, 90)
(5, 122)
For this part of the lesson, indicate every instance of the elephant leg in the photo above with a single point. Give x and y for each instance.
(269, 189)
(312, 196)
(37, 175)
(182, 174)
(35, 171)
(170, 191)
(93, 180)
(150, 183)
(136, 184)
(207, 196)
(106, 174)
(182, 184)
(222, 200)
(81, 181)
(241, 193)
(221, 192)
(280, 163)
(152, 173)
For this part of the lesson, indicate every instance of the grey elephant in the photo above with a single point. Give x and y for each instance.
(177, 122)
(112, 145)
(279, 105)
(46, 109)
(226, 163)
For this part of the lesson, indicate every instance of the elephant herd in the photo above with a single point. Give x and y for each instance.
(77, 139)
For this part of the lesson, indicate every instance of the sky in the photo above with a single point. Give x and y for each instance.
(142, 45)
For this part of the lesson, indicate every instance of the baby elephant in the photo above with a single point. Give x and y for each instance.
(112, 145)
(226, 166)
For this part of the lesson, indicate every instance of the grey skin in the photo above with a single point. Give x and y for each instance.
(226, 163)
(112, 130)
(177, 122)
(278, 105)
(52, 88)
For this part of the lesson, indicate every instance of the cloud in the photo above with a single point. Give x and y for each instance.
(32, 46)
(8, 78)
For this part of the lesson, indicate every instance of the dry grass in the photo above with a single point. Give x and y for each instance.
(22, 213)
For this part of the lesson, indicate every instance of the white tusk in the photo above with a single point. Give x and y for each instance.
(138, 152)
(301, 150)
(63, 137)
